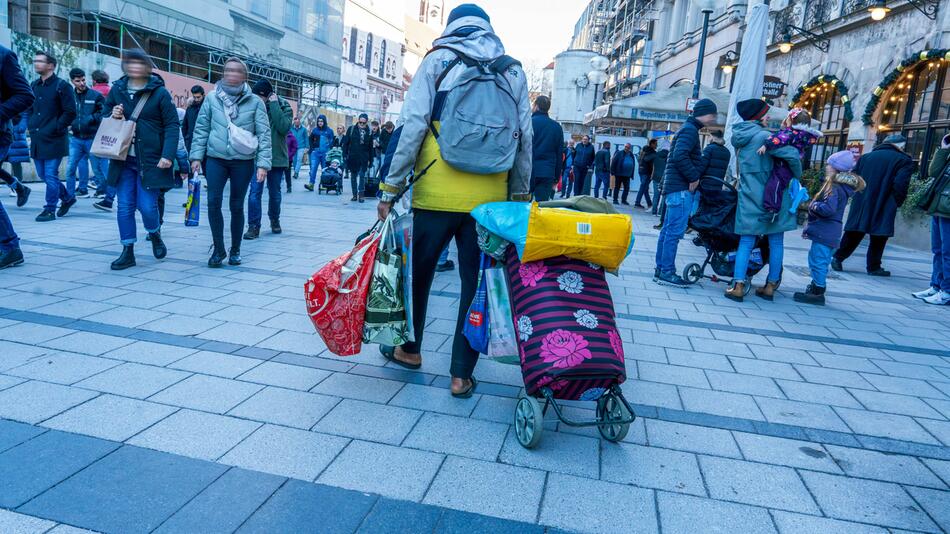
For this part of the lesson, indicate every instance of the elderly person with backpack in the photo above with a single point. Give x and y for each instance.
(233, 133)
(466, 170)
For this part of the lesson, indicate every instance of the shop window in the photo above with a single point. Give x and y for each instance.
(292, 14)
(823, 103)
(918, 106)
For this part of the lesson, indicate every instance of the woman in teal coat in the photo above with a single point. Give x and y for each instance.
(751, 218)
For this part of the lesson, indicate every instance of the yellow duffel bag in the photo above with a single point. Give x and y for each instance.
(598, 238)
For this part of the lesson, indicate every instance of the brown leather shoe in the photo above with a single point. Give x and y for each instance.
(768, 290)
(736, 292)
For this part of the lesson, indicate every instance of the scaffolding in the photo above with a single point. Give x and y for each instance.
(628, 30)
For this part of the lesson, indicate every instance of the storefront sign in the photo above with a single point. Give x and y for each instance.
(773, 87)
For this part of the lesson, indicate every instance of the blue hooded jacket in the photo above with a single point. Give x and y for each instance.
(321, 139)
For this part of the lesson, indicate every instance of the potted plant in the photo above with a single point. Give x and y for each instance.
(811, 180)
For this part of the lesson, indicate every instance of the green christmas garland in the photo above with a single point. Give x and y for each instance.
(888, 81)
(833, 80)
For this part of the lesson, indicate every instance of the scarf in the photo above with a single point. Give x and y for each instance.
(229, 96)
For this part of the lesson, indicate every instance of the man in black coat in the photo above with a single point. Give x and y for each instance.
(886, 170)
(583, 161)
(547, 147)
(647, 156)
(358, 152)
(659, 169)
(716, 157)
(602, 171)
(52, 113)
(622, 167)
(89, 112)
(191, 115)
(15, 98)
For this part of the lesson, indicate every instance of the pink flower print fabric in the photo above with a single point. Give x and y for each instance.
(531, 273)
(564, 349)
(615, 342)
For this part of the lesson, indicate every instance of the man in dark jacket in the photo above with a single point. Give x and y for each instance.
(622, 166)
(647, 155)
(716, 157)
(89, 111)
(358, 153)
(15, 98)
(602, 170)
(583, 161)
(52, 113)
(886, 170)
(683, 171)
(546, 150)
(279, 115)
(659, 169)
(191, 115)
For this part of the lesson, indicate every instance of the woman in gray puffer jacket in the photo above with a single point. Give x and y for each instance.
(231, 103)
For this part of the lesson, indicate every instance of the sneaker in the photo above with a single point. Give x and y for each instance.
(880, 271)
(22, 194)
(11, 258)
(308, 187)
(103, 205)
(92, 186)
(275, 226)
(64, 207)
(46, 216)
(443, 267)
(941, 298)
(658, 226)
(656, 274)
(99, 194)
(836, 265)
(929, 292)
(671, 279)
(253, 232)
(83, 194)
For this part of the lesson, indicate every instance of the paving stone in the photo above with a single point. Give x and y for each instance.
(692, 438)
(936, 503)
(133, 380)
(780, 354)
(391, 517)
(195, 434)
(131, 490)
(434, 400)
(31, 334)
(651, 394)
(110, 417)
(44, 461)
(910, 370)
(459, 436)
(789, 523)
(215, 363)
(298, 506)
(651, 467)
(497, 409)
(783, 451)
(758, 484)
(383, 469)
(207, 393)
(801, 414)
(285, 407)
(887, 425)
(241, 334)
(832, 377)
(904, 386)
(126, 316)
(16, 354)
(490, 488)
(32, 402)
(836, 361)
(742, 383)
(866, 501)
(672, 374)
(699, 359)
(661, 340)
(749, 366)
(150, 353)
(87, 343)
(284, 375)
(13, 433)
(63, 368)
(369, 421)
(881, 466)
(359, 387)
(286, 451)
(720, 403)
(893, 403)
(14, 523)
(563, 509)
(684, 513)
(66, 529)
(557, 451)
(182, 325)
(808, 392)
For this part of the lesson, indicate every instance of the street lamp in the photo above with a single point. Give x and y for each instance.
(879, 10)
(707, 7)
(820, 42)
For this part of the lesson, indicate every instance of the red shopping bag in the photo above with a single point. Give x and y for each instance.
(336, 297)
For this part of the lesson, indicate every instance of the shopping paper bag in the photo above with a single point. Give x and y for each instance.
(193, 204)
(385, 322)
(476, 325)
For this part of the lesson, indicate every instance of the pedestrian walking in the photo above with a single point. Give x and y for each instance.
(622, 166)
(443, 199)
(320, 142)
(647, 157)
(755, 170)
(292, 151)
(90, 108)
(680, 180)
(191, 115)
(147, 169)
(825, 216)
(52, 113)
(340, 137)
(16, 97)
(100, 82)
(357, 153)
(385, 136)
(659, 169)
(17, 154)
(230, 157)
(602, 170)
(303, 145)
(583, 161)
(279, 116)
(939, 290)
(886, 171)
(546, 151)
(567, 177)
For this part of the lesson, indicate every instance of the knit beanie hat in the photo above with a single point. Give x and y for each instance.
(752, 109)
(364, 116)
(704, 107)
(263, 88)
(467, 10)
(895, 139)
(842, 161)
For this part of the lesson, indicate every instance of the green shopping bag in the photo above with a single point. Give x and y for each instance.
(385, 322)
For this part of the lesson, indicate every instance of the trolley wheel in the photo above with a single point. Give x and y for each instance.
(528, 421)
(693, 273)
(609, 409)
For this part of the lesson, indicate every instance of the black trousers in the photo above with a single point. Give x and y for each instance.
(624, 182)
(581, 181)
(644, 191)
(218, 172)
(288, 172)
(850, 242)
(431, 232)
(543, 191)
(161, 205)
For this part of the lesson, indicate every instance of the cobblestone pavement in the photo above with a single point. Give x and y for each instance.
(178, 398)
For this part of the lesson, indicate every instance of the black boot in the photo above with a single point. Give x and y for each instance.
(11, 258)
(235, 256)
(217, 257)
(275, 226)
(253, 232)
(22, 195)
(159, 250)
(126, 259)
(812, 295)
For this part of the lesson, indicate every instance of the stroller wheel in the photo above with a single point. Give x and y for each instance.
(610, 409)
(693, 272)
(528, 421)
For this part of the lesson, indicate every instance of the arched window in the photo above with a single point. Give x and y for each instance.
(918, 106)
(823, 102)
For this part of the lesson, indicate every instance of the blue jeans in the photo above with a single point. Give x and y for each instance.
(819, 258)
(298, 160)
(133, 195)
(603, 180)
(8, 238)
(274, 179)
(79, 159)
(444, 257)
(678, 206)
(940, 245)
(48, 171)
(747, 243)
(316, 159)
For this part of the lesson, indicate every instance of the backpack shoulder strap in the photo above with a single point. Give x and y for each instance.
(503, 63)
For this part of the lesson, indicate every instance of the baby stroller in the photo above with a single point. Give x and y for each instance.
(714, 222)
(331, 178)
